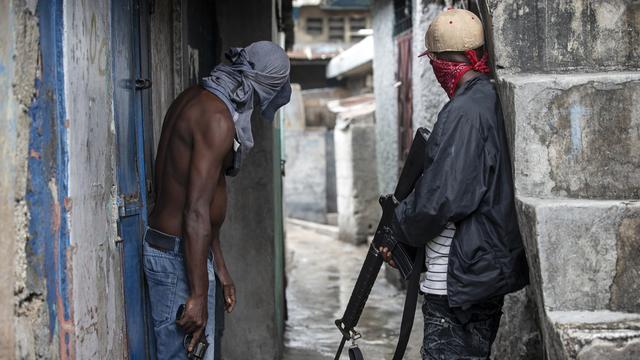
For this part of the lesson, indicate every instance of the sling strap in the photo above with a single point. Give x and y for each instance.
(409, 312)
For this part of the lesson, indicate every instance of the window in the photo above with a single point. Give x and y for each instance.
(314, 26)
(356, 24)
(336, 28)
(402, 12)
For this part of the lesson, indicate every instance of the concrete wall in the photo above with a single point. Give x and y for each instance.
(305, 183)
(61, 220)
(19, 306)
(428, 95)
(162, 69)
(248, 234)
(574, 137)
(562, 123)
(95, 265)
(556, 36)
(315, 105)
(384, 69)
(356, 175)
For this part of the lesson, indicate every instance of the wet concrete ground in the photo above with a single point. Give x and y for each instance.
(321, 273)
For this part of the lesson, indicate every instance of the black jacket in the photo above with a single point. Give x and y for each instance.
(468, 180)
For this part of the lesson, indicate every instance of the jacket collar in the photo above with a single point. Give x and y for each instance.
(469, 84)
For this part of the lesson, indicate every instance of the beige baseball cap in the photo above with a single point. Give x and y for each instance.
(454, 30)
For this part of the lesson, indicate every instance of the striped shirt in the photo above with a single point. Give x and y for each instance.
(437, 260)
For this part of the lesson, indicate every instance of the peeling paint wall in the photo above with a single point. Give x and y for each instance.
(57, 184)
(18, 61)
(26, 318)
(95, 267)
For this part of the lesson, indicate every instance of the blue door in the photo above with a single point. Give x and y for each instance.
(130, 87)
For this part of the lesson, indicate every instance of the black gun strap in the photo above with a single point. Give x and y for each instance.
(339, 352)
(410, 302)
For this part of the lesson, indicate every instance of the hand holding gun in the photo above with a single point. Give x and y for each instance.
(194, 351)
(386, 248)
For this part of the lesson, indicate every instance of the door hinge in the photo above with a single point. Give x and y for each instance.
(129, 205)
(142, 84)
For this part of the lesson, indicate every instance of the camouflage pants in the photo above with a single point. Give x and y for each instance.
(451, 333)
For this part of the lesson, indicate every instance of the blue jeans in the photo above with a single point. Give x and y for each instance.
(453, 333)
(168, 288)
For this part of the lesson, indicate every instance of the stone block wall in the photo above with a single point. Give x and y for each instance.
(565, 35)
(566, 75)
(575, 135)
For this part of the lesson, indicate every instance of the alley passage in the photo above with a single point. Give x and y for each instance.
(321, 273)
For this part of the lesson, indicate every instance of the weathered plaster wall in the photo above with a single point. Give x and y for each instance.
(162, 74)
(356, 179)
(556, 36)
(428, 96)
(305, 183)
(386, 117)
(248, 234)
(562, 123)
(574, 135)
(94, 261)
(19, 307)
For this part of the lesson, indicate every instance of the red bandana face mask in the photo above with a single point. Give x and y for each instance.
(449, 73)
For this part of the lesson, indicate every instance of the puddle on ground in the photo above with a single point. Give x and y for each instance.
(321, 274)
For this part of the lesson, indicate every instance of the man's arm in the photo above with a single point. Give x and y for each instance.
(228, 287)
(217, 219)
(210, 144)
(451, 187)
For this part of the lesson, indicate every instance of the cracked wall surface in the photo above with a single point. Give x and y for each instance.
(567, 78)
(22, 307)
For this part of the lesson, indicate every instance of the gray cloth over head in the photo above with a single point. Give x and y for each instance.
(261, 68)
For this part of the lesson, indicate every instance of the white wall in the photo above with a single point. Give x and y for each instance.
(98, 306)
(385, 65)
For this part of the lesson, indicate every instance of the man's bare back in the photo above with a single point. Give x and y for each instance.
(195, 148)
(195, 110)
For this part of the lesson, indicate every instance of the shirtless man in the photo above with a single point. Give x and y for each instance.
(205, 134)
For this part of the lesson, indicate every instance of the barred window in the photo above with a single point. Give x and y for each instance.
(356, 24)
(336, 28)
(314, 26)
(402, 10)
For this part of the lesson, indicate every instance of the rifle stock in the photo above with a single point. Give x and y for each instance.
(403, 256)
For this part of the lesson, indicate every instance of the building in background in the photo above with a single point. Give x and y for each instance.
(84, 87)
(324, 29)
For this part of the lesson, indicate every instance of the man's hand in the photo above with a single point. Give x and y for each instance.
(386, 255)
(194, 319)
(229, 291)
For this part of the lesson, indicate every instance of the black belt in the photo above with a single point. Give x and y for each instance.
(162, 241)
(166, 242)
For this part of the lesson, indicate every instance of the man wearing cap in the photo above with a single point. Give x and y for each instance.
(463, 210)
(205, 136)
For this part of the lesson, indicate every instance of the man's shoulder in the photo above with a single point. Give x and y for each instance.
(209, 119)
(478, 104)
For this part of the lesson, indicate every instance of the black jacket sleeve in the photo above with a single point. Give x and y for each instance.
(452, 185)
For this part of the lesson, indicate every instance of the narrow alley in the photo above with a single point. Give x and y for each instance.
(321, 273)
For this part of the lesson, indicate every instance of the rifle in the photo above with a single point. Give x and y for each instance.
(408, 260)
